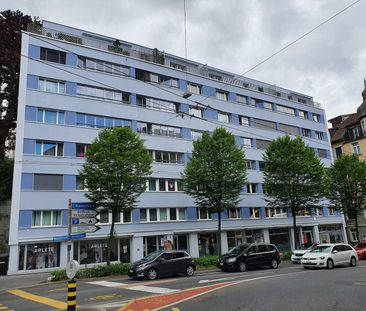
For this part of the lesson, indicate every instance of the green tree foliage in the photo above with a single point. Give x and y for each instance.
(115, 172)
(347, 186)
(11, 25)
(6, 178)
(216, 173)
(294, 177)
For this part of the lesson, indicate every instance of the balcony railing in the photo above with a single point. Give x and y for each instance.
(156, 56)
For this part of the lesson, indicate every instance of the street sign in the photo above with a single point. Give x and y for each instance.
(63, 238)
(83, 205)
(84, 213)
(84, 229)
(72, 267)
(84, 221)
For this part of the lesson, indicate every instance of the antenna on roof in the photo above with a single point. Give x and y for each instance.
(187, 93)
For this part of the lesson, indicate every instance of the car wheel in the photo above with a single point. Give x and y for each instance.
(152, 274)
(274, 264)
(242, 266)
(330, 264)
(353, 262)
(189, 271)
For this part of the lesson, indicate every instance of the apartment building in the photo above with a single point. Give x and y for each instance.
(74, 83)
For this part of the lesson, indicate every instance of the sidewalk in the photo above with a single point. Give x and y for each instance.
(22, 280)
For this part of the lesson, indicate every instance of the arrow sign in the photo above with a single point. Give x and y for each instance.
(85, 229)
(84, 221)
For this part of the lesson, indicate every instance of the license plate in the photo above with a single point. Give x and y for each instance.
(221, 263)
(308, 261)
(131, 270)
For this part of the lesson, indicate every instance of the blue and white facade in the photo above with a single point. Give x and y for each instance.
(73, 83)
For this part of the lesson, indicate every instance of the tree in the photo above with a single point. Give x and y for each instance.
(347, 186)
(115, 172)
(215, 174)
(294, 177)
(6, 177)
(11, 25)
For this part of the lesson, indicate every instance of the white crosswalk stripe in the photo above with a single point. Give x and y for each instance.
(142, 288)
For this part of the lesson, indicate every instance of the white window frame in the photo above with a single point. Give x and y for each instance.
(302, 114)
(234, 213)
(208, 214)
(44, 82)
(272, 212)
(268, 106)
(194, 88)
(252, 188)
(253, 211)
(319, 211)
(247, 142)
(223, 117)
(196, 135)
(331, 211)
(57, 146)
(119, 222)
(316, 117)
(166, 180)
(356, 148)
(168, 213)
(221, 95)
(319, 135)
(306, 132)
(286, 110)
(195, 111)
(41, 219)
(245, 119)
(241, 99)
(50, 110)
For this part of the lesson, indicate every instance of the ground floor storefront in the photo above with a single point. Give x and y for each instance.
(44, 256)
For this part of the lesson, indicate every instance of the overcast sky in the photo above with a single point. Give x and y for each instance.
(234, 35)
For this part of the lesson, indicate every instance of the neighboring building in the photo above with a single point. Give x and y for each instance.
(348, 135)
(74, 82)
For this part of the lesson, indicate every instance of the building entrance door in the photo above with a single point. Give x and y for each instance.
(307, 237)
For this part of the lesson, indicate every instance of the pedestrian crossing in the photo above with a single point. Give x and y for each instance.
(136, 287)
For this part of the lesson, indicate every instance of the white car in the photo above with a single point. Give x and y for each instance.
(300, 251)
(330, 255)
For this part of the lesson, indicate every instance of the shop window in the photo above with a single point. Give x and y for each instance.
(39, 256)
(95, 251)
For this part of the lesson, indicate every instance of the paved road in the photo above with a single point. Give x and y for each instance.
(288, 288)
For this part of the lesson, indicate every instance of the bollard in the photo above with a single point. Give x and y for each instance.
(71, 295)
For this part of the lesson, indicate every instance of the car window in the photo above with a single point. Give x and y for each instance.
(270, 247)
(360, 245)
(251, 250)
(179, 255)
(262, 248)
(167, 256)
(322, 249)
(238, 249)
(336, 248)
(347, 248)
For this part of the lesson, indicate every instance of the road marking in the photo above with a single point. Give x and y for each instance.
(104, 297)
(40, 299)
(175, 309)
(108, 284)
(215, 280)
(152, 289)
(2, 307)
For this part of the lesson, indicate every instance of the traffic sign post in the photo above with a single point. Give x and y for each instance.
(72, 269)
(84, 218)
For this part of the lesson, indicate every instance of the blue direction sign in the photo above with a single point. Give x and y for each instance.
(63, 238)
(83, 205)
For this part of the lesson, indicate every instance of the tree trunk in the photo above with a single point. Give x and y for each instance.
(295, 228)
(219, 233)
(357, 233)
(110, 240)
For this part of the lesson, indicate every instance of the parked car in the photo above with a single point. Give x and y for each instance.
(300, 251)
(163, 263)
(4, 260)
(245, 256)
(330, 255)
(361, 250)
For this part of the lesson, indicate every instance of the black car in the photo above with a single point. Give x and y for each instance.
(246, 256)
(4, 260)
(163, 263)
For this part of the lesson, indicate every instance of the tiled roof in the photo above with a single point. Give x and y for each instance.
(338, 133)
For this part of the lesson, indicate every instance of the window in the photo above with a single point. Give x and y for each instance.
(264, 124)
(234, 213)
(221, 95)
(286, 110)
(196, 135)
(331, 211)
(223, 117)
(356, 131)
(162, 214)
(261, 165)
(263, 144)
(107, 94)
(105, 216)
(53, 56)
(244, 121)
(194, 88)
(241, 99)
(48, 182)
(156, 104)
(323, 153)
(262, 248)
(203, 213)
(254, 212)
(251, 165)
(177, 66)
(215, 76)
(319, 135)
(46, 218)
(247, 142)
(288, 129)
(319, 211)
(49, 149)
(98, 65)
(166, 156)
(161, 184)
(275, 212)
(81, 150)
(164, 130)
(303, 114)
(306, 132)
(51, 86)
(356, 148)
(96, 121)
(50, 116)
(338, 151)
(267, 106)
(304, 213)
(316, 117)
(251, 188)
(195, 111)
